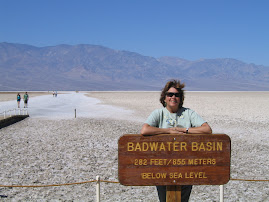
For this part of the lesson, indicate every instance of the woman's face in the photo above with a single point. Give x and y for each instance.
(172, 100)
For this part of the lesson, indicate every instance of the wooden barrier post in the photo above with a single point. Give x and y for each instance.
(221, 187)
(97, 188)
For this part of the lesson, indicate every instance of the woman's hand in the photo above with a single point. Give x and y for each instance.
(176, 130)
(150, 130)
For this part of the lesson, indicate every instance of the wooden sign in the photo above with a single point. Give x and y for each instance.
(187, 159)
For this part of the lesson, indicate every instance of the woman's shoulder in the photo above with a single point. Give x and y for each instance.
(158, 111)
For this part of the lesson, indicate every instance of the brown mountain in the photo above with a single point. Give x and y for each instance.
(91, 67)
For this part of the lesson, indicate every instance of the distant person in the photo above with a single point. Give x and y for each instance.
(54, 93)
(173, 118)
(19, 100)
(26, 98)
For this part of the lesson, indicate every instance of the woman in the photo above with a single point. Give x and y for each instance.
(173, 118)
(18, 99)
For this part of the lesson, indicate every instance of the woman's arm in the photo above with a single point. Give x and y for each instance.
(150, 130)
(204, 128)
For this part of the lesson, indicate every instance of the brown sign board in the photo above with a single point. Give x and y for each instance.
(187, 159)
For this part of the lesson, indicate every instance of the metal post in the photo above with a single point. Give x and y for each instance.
(98, 189)
(221, 187)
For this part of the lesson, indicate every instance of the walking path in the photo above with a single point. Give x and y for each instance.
(63, 107)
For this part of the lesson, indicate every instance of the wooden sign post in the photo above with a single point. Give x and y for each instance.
(174, 160)
(173, 193)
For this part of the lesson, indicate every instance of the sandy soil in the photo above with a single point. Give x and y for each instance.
(52, 151)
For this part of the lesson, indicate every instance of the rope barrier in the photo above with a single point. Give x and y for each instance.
(49, 185)
(107, 181)
(250, 180)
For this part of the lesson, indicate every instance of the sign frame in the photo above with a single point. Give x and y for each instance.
(168, 159)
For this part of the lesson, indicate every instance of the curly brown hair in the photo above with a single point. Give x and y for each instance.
(177, 85)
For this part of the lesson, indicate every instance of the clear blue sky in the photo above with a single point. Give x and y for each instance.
(189, 29)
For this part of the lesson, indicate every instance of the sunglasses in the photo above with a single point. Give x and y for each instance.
(168, 94)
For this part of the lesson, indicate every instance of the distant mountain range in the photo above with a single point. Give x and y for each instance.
(91, 67)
